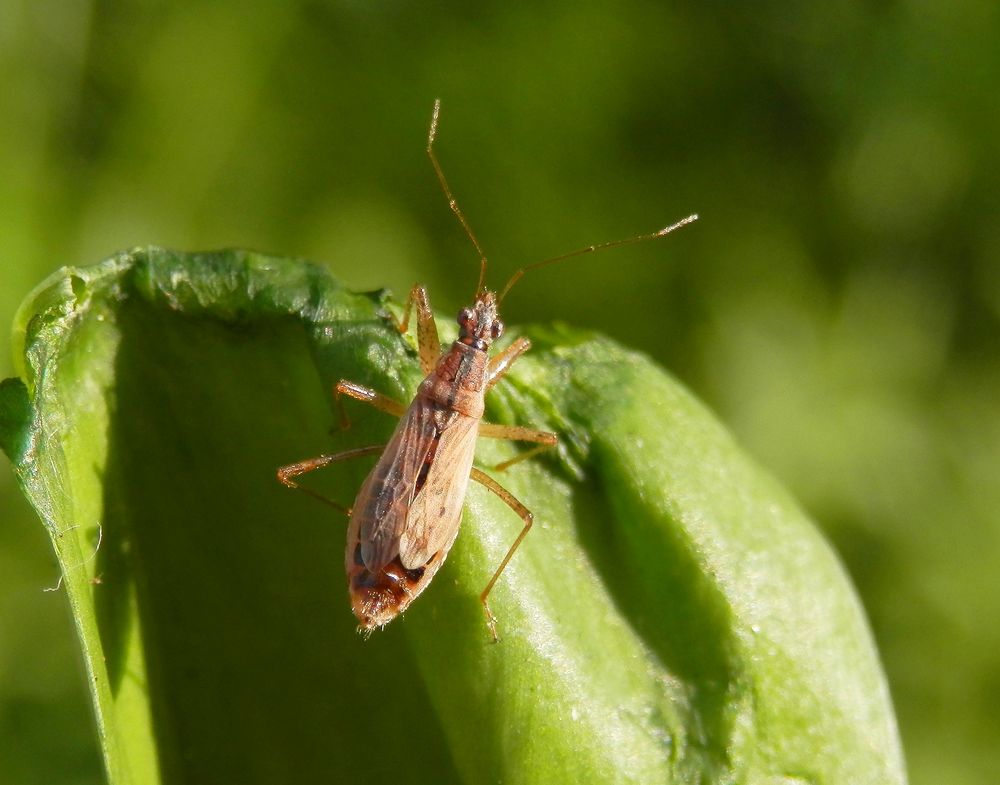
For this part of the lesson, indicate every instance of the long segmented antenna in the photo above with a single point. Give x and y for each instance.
(452, 203)
(591, 248)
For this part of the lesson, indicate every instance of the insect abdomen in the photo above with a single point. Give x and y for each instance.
(378, 598)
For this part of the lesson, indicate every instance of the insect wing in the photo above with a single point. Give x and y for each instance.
(436, 511)
(384, 501)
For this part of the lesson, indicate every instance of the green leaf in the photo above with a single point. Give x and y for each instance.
(673, 617)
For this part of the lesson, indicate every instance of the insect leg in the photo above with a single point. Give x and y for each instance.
(518, 433)
(508, 499)
(501, 363)
(427, 335)
(286, 473)
(366, 395)
(498, 366)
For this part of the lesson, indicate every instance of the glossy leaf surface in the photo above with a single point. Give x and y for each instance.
(673, 617)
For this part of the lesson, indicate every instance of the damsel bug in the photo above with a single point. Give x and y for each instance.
(406, 515)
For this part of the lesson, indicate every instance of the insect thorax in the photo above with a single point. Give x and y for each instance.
(458, 381)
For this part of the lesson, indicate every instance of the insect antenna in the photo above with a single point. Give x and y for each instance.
(452, 202)
(592, 248)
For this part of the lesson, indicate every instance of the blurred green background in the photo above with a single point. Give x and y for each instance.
(838, 304)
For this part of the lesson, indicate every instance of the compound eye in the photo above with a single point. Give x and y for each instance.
(465, 317)
(496, 329)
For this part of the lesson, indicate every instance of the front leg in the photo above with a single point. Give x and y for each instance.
(428, 342)
(500, 364)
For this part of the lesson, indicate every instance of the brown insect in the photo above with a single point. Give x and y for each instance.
(407, 513)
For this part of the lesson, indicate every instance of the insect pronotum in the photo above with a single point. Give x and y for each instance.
(407, 513)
